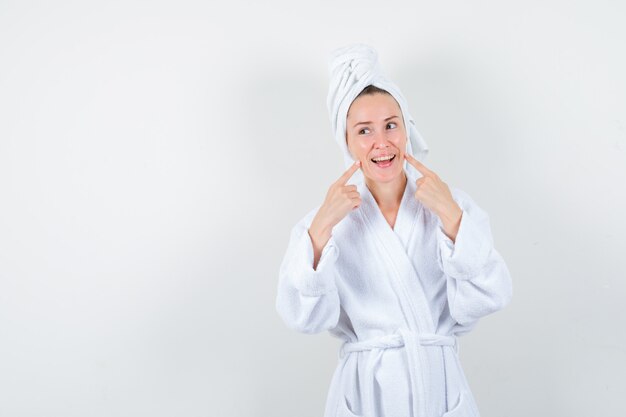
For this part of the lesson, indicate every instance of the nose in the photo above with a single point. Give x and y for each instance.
(380, 141)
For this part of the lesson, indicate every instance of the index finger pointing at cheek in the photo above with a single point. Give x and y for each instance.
(417, 164)
(349, 172)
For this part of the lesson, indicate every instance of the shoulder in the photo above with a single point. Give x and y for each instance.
(460, 195)
(307, 219)
(467, 203)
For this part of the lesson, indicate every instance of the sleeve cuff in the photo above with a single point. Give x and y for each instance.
(465, 258)
(318, 281)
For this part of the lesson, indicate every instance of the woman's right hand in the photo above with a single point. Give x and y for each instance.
(340, 200)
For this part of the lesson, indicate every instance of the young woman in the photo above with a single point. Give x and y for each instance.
(397, 265)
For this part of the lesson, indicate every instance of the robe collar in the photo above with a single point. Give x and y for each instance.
(409, 211)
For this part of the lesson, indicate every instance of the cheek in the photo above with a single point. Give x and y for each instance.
(364, 144)
(399, 139)
(356, 148)
(359, 146)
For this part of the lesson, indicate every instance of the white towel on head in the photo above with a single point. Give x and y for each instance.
(352, 68)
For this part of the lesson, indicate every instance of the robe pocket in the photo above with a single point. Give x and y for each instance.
(463, 408)
(344, 411)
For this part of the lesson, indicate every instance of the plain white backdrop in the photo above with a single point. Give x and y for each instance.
(154, 156)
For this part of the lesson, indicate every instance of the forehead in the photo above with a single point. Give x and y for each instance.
(377, 105)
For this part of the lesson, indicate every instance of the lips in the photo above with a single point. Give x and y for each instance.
(383, 163)
(383, 159)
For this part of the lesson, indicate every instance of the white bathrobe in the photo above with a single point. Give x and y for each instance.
(398, 298)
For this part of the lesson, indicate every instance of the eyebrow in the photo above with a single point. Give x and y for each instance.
(364, 123)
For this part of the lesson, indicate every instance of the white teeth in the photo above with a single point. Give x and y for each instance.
(383, 158)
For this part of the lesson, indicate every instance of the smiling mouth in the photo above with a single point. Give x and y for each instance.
(383, 161)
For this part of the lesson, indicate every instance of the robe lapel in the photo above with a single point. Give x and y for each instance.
(392, 246)
(409, 210)
(425, 366)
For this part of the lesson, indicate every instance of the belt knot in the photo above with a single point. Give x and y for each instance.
(395, 340)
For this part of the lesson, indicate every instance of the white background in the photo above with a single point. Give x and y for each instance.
(155, 155)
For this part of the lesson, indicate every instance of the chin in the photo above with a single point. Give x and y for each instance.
(384, 178)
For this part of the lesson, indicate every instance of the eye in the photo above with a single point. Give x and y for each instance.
(393, 124)
(362, 130)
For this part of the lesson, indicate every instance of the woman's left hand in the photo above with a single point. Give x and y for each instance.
(435, 195)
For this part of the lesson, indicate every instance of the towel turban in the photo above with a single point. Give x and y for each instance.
(352, 68)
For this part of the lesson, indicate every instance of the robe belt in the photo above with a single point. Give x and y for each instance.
(410, 340)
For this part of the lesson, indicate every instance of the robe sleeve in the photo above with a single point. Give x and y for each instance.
(307, 298)
(478, 280)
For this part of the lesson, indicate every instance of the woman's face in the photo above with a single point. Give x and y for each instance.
(375, 129)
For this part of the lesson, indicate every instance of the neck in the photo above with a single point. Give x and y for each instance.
(388, 195)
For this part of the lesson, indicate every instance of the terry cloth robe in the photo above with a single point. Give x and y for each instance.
(398, 298)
